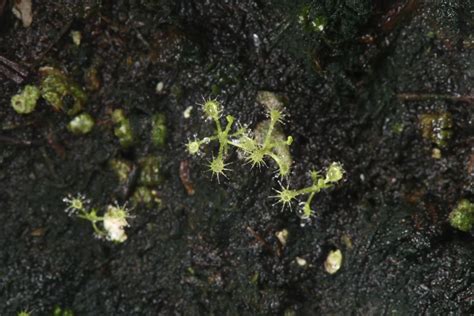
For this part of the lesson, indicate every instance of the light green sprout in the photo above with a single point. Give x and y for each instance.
(254, 148)
(113, 222)
(269, 142)
(285, 196)
(265, 142)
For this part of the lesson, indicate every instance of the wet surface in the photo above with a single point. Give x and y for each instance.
(216, 251)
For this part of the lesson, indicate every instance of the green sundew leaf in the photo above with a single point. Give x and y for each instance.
(279, 147)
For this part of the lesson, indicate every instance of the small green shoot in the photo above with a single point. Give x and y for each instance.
(113, 221)
(285, 196)
(255, 149)
(265, 142)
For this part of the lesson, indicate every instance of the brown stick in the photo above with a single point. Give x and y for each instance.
(12, 70)
(14, 141)
(431, 96)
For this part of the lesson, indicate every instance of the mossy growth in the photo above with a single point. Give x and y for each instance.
(122, 169)
(25, 101)
(144, 195)
(148, 177)
(56, 89)
(123, 129)
(286, 196)
(437, 127)
(321, 31)
(81, 124)
(462, 217)
(311, 22)
(159, 130)
(58, 311)
(150, 171)
(61, 92)
(264, 143)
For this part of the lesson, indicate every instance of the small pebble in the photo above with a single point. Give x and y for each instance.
(282, 236)
(76, 37)
(187, 112)
(333, 261)
(301, 261)
(159, 87)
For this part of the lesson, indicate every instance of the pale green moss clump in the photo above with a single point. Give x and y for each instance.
(25, 101)
(58, 311)
(159, 130)
(81, 124)
(148, 176)
(57, 88)
(462, 217)
(437, 127)
(123, 129)
(61, 93)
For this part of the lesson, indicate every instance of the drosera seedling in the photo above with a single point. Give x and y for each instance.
(213, 111)
(265, 142)
(110, 226)
(269, 142)
(218, 167)
(286, 196)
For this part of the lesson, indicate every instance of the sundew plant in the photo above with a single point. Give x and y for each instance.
(265, 143)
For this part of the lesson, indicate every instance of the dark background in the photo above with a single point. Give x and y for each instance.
(215, 253)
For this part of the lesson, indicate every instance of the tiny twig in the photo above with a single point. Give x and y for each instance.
(185, 177)
(14, 66)
(432, 96)
(260, 240)
(14, 141)
(12, 70)
(2, 6)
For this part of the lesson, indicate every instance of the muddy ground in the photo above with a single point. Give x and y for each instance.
(355, 93)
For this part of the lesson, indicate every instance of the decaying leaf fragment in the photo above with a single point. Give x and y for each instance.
(22, 9)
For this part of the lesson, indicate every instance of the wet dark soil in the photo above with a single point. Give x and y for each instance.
(355, 94)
